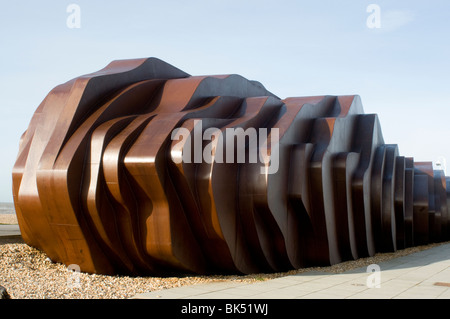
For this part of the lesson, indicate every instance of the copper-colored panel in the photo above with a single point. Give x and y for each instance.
(409, 201)
(399, 200)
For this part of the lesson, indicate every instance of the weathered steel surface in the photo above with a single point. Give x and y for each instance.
(100, 181)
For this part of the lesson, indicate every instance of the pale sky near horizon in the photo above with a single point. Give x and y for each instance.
(294, 48)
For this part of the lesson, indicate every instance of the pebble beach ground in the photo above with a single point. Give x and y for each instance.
(28, 273)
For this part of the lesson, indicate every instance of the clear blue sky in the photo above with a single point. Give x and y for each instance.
(295, 48)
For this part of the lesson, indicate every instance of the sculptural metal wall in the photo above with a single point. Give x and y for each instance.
(100, 182)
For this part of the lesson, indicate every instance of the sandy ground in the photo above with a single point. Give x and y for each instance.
(8, 219)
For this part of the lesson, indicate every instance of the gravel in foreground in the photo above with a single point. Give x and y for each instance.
(27, 273)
